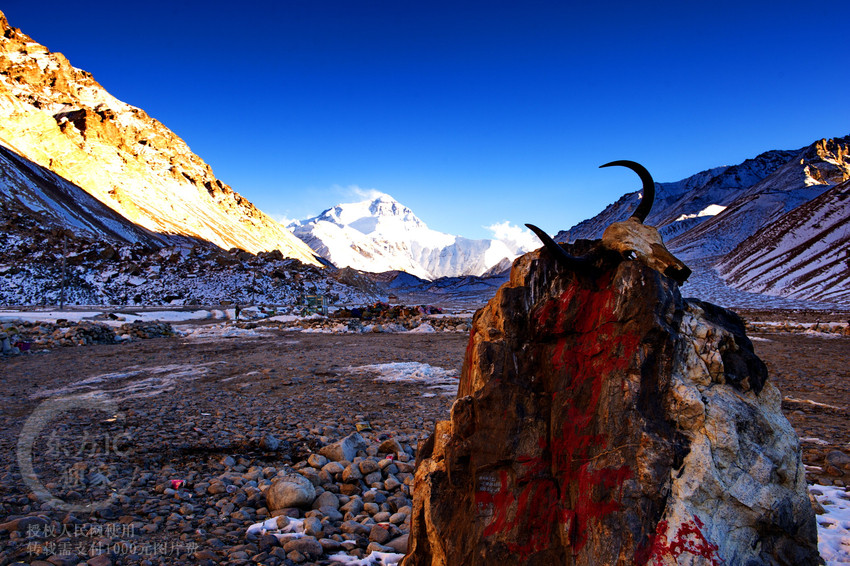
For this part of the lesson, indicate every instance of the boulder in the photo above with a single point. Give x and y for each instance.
(290, 489)
(345, 449)
(603, 419)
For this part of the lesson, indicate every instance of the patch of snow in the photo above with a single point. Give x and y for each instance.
(285, 318)
(218, 332)
(810, 402)
(812, 440)
(411, 372)
(90, 315)
(168, 316)
(834, 525)
(334, 329)
(48, 316)
(423, 328)
(375, 558)
(293, 529)
(710, 210)
(160, 379)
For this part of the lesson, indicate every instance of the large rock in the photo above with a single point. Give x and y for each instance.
(290, 489)
(345, 449)
(603, 419)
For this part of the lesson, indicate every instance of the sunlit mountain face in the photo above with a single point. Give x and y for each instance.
(60, 118)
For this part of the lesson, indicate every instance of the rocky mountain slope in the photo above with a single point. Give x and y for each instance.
(114, 272)
(29, 190)
(382, 234)
(809, 173)
(678, 205)
(60, 118)
(804, 254)
(710, 214)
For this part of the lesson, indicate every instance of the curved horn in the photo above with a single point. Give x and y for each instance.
(648, 199)
(565, 259)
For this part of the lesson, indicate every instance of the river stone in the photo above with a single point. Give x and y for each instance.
(603, 419)
(326, 499)
(345, 449)
(290, 490)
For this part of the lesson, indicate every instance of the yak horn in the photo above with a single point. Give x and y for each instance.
(565, 259)
(648, 199)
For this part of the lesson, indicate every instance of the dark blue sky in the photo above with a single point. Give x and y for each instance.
(470, 113)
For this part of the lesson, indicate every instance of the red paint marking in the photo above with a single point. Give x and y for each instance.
(580, 360)
(467, 359)
(687, 540)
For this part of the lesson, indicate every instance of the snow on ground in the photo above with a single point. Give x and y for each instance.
(375, 558)
(390, 327)
(91, 315)
(834, 525)
(295, 529)
(48, 316)
(705, 284)
(813, 440)
(810, 402)
(413, 372)
(219, 331)
(160, 379)
(125, 316)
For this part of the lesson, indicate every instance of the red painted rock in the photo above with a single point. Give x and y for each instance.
(602, 419)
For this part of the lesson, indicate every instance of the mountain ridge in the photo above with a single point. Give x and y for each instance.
(60, 118)
(711, 214)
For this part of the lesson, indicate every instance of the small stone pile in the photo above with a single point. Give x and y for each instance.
(787, 327)
(20, 336)
(352, 496)
(386, 312)
(356, 325)
(144, 330)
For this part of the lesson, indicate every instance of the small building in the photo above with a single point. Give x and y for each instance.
(317, 304)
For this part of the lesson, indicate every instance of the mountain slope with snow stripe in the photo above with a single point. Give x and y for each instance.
(38, 192)
(805, 254)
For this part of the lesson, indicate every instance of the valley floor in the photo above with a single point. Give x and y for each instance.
(225, 415)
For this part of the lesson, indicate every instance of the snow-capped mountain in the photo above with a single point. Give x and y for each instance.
(60, 118)
(382, 234)
(805, 254)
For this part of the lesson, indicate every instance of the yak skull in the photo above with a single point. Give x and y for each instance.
(635, 240)
(632, 239)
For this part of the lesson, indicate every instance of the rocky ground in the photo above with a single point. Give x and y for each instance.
(808, 358)
(185, 437)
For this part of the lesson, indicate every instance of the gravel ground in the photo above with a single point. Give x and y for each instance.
(228, 417)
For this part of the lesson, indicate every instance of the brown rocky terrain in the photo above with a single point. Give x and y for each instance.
(227, 415)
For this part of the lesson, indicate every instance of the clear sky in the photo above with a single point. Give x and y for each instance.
(470, 113)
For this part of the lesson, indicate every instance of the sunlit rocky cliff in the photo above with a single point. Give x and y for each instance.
(59, 117)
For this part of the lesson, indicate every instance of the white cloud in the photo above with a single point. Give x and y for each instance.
(518, 239)
(355, 192)
(282, 219)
